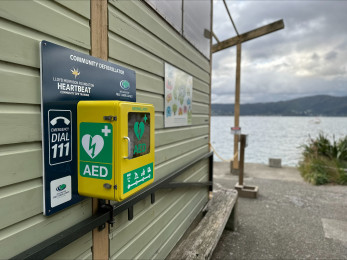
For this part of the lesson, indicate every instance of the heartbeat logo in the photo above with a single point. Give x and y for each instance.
(75, 72)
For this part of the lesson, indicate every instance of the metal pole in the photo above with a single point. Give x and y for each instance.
(242, 158)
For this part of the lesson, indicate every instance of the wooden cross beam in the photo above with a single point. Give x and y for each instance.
(266, 29)
(237, 40)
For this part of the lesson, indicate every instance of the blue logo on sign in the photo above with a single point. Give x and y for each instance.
(61, 187)
(124, 84)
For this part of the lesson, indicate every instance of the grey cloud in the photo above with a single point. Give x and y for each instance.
(315, 57)
(331, 55)
(308, 57)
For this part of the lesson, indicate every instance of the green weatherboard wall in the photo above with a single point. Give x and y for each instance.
(23, 25)
(138, 39)
(149, 43)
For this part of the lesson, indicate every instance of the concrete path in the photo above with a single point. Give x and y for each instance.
(290, 219)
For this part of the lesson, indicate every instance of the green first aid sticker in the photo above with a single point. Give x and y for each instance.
(137, 177)
(96, 142)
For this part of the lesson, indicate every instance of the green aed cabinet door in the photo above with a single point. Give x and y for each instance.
(135, 169)
(96, 149)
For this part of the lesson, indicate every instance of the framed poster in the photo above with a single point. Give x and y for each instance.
(178, 97)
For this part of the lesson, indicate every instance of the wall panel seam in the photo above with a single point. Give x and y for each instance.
(163, 41)
(71, 10)
(137, 69)
(153, 55)
(163, 147)
(175, 158)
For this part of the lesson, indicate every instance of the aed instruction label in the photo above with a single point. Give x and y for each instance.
(137, 177)
(96, 153)
(60, 133)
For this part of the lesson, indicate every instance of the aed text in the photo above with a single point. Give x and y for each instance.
(140, 148)
(95, 171)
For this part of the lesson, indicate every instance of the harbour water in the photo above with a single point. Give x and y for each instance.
(273, 137)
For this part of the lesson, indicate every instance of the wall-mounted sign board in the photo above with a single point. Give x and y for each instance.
(68, 76)
(178, 97)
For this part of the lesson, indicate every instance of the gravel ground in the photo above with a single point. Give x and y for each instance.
(290, 219)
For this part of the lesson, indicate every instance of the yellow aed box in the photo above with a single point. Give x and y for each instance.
(115, 148)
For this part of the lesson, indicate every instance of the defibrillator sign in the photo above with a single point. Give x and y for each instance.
(96, 150)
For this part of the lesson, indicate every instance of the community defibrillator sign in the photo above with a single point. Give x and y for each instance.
(67, 77)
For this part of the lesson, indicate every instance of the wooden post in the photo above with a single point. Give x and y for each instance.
(99, 28)
(237, 106)
(99, 48)
(245, 191)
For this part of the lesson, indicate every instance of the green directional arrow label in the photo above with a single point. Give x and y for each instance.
(137, 177)
(96, 150)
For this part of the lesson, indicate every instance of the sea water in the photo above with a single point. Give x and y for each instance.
(273, 137)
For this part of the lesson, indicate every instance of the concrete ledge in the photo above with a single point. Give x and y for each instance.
(247, 191)
(202, 241)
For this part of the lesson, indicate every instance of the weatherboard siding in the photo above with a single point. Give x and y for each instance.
(143, 236)
(142, 41)
(23, 24)
(79, 249)
(144, 16)
(135, 33)
(138, 39)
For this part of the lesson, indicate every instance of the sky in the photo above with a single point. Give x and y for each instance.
(308, 57)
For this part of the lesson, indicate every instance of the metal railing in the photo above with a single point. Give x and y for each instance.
(106, 212)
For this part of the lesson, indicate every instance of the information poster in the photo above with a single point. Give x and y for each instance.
(178, 97)
(68, 76)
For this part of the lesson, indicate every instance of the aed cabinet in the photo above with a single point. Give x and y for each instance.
(115, 148)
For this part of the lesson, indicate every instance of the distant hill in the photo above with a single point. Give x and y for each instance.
(322, 105)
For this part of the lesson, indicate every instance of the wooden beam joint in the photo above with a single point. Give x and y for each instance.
(266, 29)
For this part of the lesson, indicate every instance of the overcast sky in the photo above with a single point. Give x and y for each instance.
(307, 57)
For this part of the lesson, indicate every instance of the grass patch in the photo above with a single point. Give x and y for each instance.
(324, 161)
